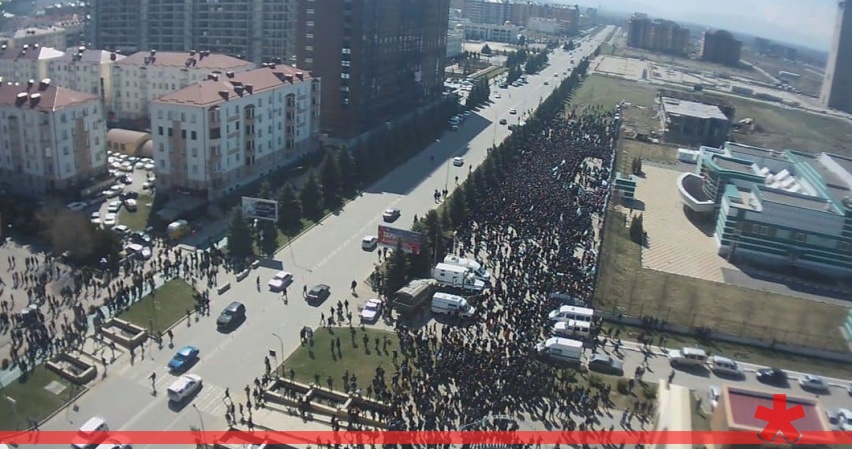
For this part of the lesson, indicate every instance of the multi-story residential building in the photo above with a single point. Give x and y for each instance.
(507, 33)
(145, 76)
(224, 132)
(85, 70)
(720, 47)
(546, 26)
(255, 30)
(837, 84)
(455, 41)
(52, 139)
(657, 35)
(780, 208)
(495, 12)
(26, 62)
(52, 36)
(379, 59)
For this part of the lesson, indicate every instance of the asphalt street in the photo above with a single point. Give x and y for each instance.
(331, 254)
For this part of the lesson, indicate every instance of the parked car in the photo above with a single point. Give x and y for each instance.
(813, 383)
(121, 230)
(773, 376)
(391, 215)
(371, 311)
(606, 364)
(713, 394)
(513, 111)
(502, 121)
(130, 204)
(113, 206)
(369, 242)
(76, 206)
(110, 219)
(319, 293)
(183, 359)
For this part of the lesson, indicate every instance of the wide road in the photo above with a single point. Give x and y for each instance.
(330, 253)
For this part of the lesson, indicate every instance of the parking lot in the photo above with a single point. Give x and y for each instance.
(130, 195)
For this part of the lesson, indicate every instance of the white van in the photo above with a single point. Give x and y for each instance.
(456, 276)
(447, 304)
(688, 357)
(725, 366)
(91, 433)
(572, 328)
(561, 349)
(566, 313)
(479, 271)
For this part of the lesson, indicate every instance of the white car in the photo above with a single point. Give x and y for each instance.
(497, 95)
(391, 214)
(139, 166)
(371, 311)
(109, 220)
(114, 443)
(147, 185)
(812, 383)
(185, 387)
(110, 193)
(96, 216)
(280, 281)
(117, 188)
(121, 230)
(114, 207)
(458, 161)
(76, 206)
(130, 204)
(513, 111)
(149, 166)
(369, 242)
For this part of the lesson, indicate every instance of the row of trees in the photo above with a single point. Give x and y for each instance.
(535, 62)
(479, 93)
(438, 225)
(340, 175)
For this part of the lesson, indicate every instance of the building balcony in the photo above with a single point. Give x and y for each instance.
(690, 189)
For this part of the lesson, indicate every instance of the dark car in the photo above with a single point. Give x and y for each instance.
(774, 376)
(141, 238)
(319, 293)
(606, 364)
(128, 196)
(231, 316)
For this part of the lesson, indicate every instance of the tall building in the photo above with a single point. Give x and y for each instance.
(84, 70)
(26, 63)
(256, 30)
(226, 131)
(720, 47)
(837, 85)
(378, 59)
(657, 35)
(495, 12)
(53, 139)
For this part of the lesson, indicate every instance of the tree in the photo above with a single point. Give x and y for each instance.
(268, 237)
(486, 50)
(239, 235)
(265, 191)
(637, 231)
(289, 209)
(331, 181)
(396, 270)
(311, 198)
(348, 175)
(458, 208)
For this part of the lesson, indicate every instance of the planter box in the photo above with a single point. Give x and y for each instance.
(242, 275)
(123, 332)
(72, 369)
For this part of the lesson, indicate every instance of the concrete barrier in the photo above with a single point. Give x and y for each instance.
(72, 369)
(123, 332)
(255, 265)
(223, 288)
(242, 275)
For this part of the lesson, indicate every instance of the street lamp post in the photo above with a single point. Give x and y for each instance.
(281, 356)
(201, 420)
(447, 182)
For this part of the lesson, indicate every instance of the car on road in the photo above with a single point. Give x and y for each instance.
(319, 293)
(772, 376)
(812, 382)
(114, 443)
(184, 387)
(231, 317)
(183, 359)
(546, 83)
(713, 394)
(280, 281)
(371, 311)
(369, 242)
(556, 75)
(497, 95)
(458, 161)
(502, 121)
(723, 366)
(513, 111)
(390, 215)
(688, 357)
(606, 364)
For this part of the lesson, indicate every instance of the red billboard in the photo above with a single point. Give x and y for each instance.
(389, 237)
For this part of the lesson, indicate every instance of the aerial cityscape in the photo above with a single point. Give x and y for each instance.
(235, 223)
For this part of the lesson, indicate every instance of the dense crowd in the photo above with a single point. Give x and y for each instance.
(536, 229)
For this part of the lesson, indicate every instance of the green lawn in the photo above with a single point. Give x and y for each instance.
(32, 401)
(308, 362)
(162, 308)
(138, 220)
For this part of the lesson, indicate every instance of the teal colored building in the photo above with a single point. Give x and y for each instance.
(781, 208)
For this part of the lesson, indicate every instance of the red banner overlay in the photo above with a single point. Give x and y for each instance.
(382, 437)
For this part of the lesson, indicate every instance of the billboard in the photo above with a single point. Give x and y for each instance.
(389, 237)
(259, 208)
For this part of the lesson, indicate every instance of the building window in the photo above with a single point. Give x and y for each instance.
(193, 135)
(346, 51)
(162, 147)
(800, 237)
(160, 130)
(844, 246)
(195, 152)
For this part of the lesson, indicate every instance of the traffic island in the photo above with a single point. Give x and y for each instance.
(123, 332)
(72, 369)
(159, 310)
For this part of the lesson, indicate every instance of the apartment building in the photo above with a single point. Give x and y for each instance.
(379, 59)
(255, 30)
(145, 76)
(52, 140)
(657, 35)
(720, 47)
(495, 12)
(21, 64)
(837, 85)
(50, 36)
(216, 135)
(85, 70)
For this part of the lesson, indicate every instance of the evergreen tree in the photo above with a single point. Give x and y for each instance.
(311, 198)
(486, 50)
(396, 270)
(239, 236)
(268, 237)
(331, 181)
(458, 208)
(348, 174)
(265, 191)
(289, 210)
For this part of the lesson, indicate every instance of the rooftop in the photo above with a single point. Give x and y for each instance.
(203, 60)
(41, 96)
(732, 165)
(211, 92)
(743, 404)
(31, 52)
(89, 55)
(692, 109)
(813, 203)
(35, 31)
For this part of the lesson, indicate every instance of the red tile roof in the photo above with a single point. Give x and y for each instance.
(174, 59)
(51, 98)
(210, 92)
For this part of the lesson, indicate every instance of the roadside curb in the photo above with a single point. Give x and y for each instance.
(64, 406)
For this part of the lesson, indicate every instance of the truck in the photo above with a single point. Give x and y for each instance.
(457, 277)
(413, 297)
(479, 271)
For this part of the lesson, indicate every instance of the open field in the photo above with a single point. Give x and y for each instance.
(647, 151)
(32, 400)
(625, 287)
(163, 308)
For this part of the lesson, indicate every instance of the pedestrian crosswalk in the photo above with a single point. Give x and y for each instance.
(210, 399)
